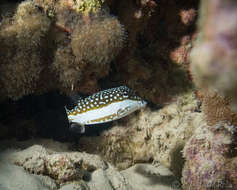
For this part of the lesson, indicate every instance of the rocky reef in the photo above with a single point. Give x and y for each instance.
(52, 49)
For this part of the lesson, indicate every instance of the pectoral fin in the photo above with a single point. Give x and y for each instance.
(77, 128)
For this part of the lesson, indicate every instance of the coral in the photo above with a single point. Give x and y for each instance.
(87, 56)
(47, 5)
(22, 39)
(70, 44)
(18, 82)
(157, 136)
(86, 43)
(75, 74)
(214, 57)
(78, 40)
(208, 154)
(68, 68)
(98, 42)
(216, 109)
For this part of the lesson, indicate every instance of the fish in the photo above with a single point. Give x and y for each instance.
(104, 106)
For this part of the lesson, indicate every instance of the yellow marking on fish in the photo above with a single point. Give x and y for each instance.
(109, 117)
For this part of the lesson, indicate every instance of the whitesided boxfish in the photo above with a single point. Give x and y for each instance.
(104, 106)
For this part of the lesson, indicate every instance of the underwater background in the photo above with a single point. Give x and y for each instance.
(177, 56)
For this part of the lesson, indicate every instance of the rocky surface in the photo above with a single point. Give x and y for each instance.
(37, 168)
